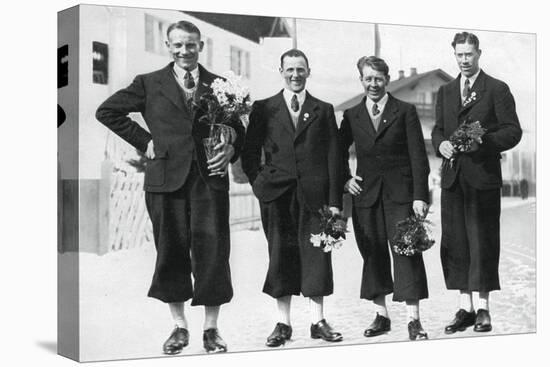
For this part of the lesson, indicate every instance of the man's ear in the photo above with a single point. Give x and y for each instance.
(201, 46)
(167, 44)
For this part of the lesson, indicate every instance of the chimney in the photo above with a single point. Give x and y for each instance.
(401, 74)
(413, 71)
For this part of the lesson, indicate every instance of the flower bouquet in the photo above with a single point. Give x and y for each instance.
(333, 231)
(411, 236)
(464, 138)
(229, 101)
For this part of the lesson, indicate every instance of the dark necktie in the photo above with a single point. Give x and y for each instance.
(188, 81)
(375, 110)
(294, 103)
(466, 90)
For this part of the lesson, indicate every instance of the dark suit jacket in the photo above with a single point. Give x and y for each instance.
(494, 107)
(174, 128)
(393, 157)
(308, 156)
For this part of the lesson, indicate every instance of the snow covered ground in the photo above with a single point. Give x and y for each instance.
(118, 321)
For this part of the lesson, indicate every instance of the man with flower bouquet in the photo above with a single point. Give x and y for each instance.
(186, 191)
(390, 185)
(476, 120)
(301, 173)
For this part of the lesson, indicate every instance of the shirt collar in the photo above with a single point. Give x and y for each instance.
(288, 96)
(381, 103)
(180, 72)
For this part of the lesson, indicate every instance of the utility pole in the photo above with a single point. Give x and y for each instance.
(294, 34)
(376, 40)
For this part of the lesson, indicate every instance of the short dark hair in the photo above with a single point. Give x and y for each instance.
(466, 37)
(294, 53)
(184, 26)
(374, 62)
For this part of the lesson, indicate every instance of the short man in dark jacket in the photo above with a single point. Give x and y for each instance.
(391, 183)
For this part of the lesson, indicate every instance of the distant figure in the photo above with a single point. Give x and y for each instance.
(186, 195)
(302, 172)
(524, 188)
(470, 187)
(391, 184)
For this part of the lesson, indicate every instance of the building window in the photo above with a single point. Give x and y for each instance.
(240, 62)
(100, 57)
(62, 66)
(155, 35)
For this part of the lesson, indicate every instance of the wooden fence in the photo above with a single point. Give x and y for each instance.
(130, 226)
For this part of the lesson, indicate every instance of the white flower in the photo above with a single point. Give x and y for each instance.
(306, 116)
(316, 239)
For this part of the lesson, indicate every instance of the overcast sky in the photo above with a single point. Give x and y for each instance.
(334, 47)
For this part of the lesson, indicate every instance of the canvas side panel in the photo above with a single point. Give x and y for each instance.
(68, 329)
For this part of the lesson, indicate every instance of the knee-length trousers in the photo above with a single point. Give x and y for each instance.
(191, 233)
(374, 226)
(295, 266)
(470, 237)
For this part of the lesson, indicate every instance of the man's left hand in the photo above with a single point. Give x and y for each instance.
(420, 208)
(219, 163)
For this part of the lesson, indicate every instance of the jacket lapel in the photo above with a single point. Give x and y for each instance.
(282, 115)
(307, 114)
(170, 89)
(476, 94)
(453, 95)
(388, 116)
(363, 120)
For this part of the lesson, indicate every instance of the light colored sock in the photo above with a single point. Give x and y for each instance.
(413, 310)
(466, 301)
(483, 301)
(178, 314)
(380, 306)
(211, 317)
(283, 305)
(316, 309)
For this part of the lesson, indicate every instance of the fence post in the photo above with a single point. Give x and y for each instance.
(104, 197)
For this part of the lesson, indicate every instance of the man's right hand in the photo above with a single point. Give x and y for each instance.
(150, 152)
(352, 186)
(446, 149)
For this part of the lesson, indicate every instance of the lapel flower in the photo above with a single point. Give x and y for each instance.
(472, 97)
(306, 116)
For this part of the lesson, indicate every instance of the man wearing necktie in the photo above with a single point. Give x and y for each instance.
(301, 173)
(186, 195)
(470, 188)
(390, 184)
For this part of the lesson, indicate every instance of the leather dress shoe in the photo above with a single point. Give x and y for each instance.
(177, 341)
(416, 332)
(483, 321)
(462, 320)
(322, 330)
(212, 341)
(379, 326)
(280, 335)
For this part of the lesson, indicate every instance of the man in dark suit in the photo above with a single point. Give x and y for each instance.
(470, 187)
(301, 173)
(186, 195)
(391, 183)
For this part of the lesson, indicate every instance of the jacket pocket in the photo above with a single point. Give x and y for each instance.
(155, 171)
